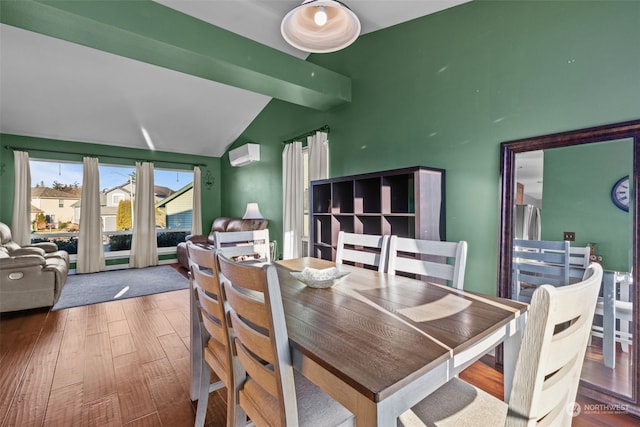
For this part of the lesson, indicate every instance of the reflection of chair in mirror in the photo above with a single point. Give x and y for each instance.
(245, 245)
(428, 258)
(366, 249)
(547, 372)
(539, 262)
(579, 259)
(616, 310)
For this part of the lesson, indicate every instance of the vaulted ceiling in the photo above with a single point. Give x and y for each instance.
(190, 74)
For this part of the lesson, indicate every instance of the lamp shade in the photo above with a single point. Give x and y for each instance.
(252, 212)
(301, 28)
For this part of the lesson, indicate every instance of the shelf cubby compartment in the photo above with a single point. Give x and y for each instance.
(322, 229)
(342, 197)
(321, 198)
(341, 223)
(398, 194)
(368, 224)
(399, 225)
(323, 252)
(367, 196)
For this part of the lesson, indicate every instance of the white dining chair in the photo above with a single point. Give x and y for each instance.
(209, 332)
(547, 372)
(617, 317)
(428, 258)
(539, 262)
(362, 249)
(268, 390)
(248, 244)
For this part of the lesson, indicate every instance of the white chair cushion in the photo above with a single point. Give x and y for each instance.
(456, 404)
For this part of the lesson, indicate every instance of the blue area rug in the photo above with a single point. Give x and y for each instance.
(93, 288)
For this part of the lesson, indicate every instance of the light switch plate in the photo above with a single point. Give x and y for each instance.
(570, 236)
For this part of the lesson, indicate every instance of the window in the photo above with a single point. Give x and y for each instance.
(57, 191)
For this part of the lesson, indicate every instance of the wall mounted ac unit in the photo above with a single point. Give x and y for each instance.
(245, 154)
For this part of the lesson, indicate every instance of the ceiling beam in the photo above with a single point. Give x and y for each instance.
(155, 34)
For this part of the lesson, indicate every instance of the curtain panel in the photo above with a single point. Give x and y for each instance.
(90, 247)
(144, 245)
(318, 156)
(293, 194)
(196, 210)
(21, 221)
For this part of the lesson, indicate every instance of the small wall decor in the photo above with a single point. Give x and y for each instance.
(209, 180)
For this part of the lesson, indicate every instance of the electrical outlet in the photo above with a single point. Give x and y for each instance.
(570, 236)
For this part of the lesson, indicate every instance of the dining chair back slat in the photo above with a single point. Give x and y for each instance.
(362, 249)
(429, 259)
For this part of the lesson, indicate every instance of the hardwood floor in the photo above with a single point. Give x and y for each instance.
(126, 363)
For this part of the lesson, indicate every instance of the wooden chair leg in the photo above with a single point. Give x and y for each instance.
(203, 396)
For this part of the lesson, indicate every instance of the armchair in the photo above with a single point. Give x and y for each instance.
(45, 249)
(30, 276)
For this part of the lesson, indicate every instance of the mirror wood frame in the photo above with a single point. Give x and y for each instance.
(508, 151)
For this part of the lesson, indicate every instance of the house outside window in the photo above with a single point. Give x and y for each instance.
(56, 205)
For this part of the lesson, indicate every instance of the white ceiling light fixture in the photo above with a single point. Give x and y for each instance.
(320, 26)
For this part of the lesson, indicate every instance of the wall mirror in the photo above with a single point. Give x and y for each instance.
(564, 194)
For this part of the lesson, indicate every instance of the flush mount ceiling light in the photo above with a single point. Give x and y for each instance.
(320, 26)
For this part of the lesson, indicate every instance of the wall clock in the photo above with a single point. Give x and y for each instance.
(621, 193)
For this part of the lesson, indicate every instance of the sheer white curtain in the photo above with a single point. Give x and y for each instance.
(196, 210)
(21, 221)
(292, 200)
(144, 246)
(90, 248)
(318, 145)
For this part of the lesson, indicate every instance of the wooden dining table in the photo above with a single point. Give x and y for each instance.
(379, 343)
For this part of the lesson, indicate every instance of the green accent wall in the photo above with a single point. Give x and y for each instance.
(444, 91)
(210, 197)
(577, 197)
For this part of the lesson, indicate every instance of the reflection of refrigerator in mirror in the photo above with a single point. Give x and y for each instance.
(527, 222)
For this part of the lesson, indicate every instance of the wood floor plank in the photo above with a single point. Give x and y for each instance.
(179, 321)
(114, 311)
(133, 392)
(72, 350)
(158, 322)
(163, 383)
(14, 364)
(104, 412)
(122, 344)
(65, 406)
(151, 420)
(118, 327)
(147, 345)
(30, 403)
(96, 319)
(99, 376)
(173, 346)
(177, 414)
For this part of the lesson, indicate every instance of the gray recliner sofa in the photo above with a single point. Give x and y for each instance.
(31, 276)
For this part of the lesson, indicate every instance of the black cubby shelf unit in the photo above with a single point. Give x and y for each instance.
(406, 202)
